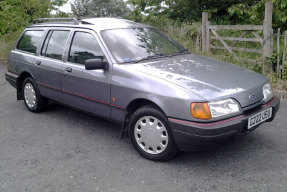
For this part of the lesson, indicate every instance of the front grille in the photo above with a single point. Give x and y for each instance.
(252, 107)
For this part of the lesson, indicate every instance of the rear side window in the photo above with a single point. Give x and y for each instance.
(84, 46)
(55, 44)
(29, 41)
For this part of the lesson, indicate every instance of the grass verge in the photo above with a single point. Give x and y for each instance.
(6, 44)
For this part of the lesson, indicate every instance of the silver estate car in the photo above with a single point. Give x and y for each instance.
(165, 98)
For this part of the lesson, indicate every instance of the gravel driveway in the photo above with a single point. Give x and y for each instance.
(63, 150)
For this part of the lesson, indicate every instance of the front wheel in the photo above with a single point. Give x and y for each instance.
(150, 134)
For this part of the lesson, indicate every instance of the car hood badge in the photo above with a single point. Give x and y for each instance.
(252, 96)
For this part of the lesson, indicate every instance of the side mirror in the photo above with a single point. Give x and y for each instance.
(92, 64)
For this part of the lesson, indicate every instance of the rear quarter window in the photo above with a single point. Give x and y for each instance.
(29, 41)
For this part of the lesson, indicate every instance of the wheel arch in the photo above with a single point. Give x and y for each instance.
(132, 107)
(20, 81)
(138, 103)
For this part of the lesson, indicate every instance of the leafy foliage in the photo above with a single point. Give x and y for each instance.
(186, 11)
(16, 14)
(220, 11)
(254, 13)
(100, 8)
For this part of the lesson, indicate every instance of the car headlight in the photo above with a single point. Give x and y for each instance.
(223, 107)
(214, 109)
(267, 92)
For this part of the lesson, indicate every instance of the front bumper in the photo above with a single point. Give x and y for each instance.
(189, 134)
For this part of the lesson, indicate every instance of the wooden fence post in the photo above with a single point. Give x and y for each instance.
(204, 23)
(207, 37)
(278, 52)
(284, 54)
(197, 45)
(267, 30)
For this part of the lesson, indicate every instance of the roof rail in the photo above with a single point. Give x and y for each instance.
(39, 20)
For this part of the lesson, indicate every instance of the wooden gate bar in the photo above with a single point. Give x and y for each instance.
(241, 36)
(238, 49)
(239, 39)
(258, 37)
(224, 44)
(237, 27)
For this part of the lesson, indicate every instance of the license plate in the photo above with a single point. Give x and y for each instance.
(259, 118)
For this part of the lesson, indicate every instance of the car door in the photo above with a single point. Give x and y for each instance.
(88, 90)
(50, 62)
(26, 50)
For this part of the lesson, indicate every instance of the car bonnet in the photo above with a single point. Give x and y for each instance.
(211, 79)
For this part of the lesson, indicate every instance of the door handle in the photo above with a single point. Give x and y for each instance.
(68, 69)
(38, 62)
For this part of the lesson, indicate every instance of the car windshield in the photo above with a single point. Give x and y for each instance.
(137, 44)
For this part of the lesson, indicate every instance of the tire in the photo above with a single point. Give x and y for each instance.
(32, 98)
(151, 135)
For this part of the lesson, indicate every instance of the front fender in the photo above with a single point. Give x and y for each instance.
(128, 85)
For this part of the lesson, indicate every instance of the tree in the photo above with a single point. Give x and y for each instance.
(220, 11)
(186, 11)
(255, 13)
(100, 8)
(16, 14)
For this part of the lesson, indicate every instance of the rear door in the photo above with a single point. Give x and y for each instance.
(86, 89)
(26, 50)
(50, 62)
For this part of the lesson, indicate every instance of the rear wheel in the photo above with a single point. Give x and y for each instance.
(150, 134)
(32, 98)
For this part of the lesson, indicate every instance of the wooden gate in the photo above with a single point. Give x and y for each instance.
(210, 32)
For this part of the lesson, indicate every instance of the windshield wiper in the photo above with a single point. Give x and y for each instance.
(160, 55)
(155, 56)
(183, 51)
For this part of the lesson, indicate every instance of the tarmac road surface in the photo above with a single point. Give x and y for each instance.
(64, 150)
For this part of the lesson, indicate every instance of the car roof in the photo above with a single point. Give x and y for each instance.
(97, 24)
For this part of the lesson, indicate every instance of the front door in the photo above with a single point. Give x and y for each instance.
(88, 90)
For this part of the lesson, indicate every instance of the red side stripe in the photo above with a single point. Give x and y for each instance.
(207, 124)
(72, 93)
(117, 106)
(45, 85)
